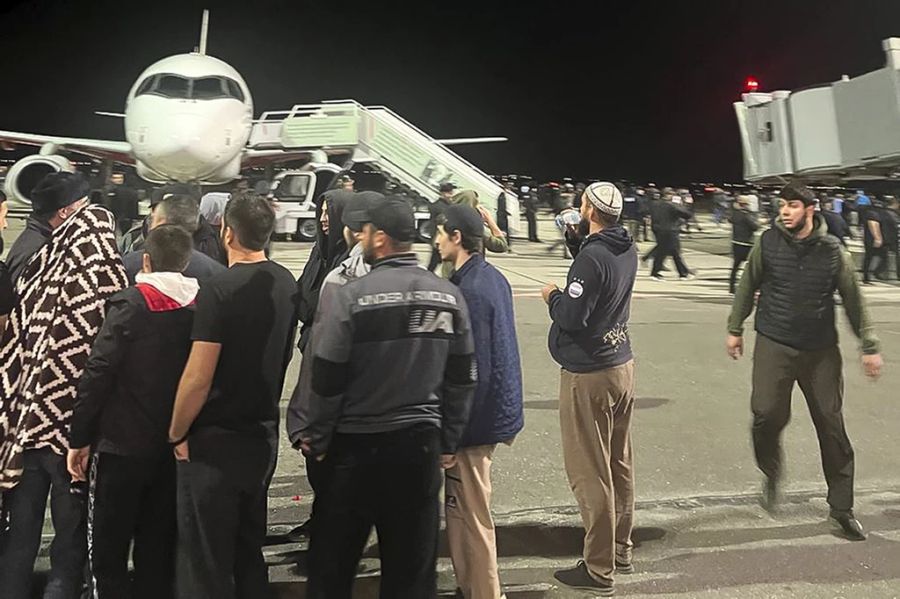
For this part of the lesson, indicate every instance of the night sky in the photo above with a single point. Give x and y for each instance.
(612, 90)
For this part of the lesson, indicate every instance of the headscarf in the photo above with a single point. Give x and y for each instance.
(212, 207)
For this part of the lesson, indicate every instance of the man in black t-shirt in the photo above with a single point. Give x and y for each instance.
(224, 425)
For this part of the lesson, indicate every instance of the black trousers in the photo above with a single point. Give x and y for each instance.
(222, 516)
(668, 245)
(132, 498)
(871, 254)
(776, 368)
(44, 474)
(652, 253)
(740, 254)
(531, 217)
(390, 481)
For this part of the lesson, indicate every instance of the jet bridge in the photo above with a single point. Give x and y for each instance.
(846, 130)
(381, 139)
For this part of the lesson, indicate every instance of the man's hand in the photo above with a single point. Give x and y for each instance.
(547, 290)
(448, 460)
(77, 463)
(307, 450)
(488, 219)
(872, 364)
(183, 452)
(734, 346)
(878, 243)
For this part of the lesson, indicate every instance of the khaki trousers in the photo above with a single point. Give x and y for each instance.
(595, 412)
(470, 527)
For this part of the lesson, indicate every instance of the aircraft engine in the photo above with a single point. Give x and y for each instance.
(27, 173)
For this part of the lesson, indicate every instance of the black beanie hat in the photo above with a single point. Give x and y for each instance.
(58, 190)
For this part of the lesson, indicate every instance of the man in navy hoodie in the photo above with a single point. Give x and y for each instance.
(589, 339)
(497, 412)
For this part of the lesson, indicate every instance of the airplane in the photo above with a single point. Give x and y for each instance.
(187, 119)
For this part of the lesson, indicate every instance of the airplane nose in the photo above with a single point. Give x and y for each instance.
(189, 145)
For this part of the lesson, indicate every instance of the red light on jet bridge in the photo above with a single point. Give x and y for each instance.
(751, 85)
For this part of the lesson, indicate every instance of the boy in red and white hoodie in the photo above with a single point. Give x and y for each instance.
(121, 420)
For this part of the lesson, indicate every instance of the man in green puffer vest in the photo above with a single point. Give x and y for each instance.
(797, 266)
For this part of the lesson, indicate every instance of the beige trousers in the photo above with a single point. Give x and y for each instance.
(470, 527)
(595, 411)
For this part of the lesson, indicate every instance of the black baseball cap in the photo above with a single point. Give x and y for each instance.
(465, 219)
(395, 217)
(447, 187)
(356, 211)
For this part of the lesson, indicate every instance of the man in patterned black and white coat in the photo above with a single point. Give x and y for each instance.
(62, 293)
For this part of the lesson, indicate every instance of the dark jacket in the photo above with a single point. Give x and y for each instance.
(32, 239)
(743, 227)
(208, 241)
(127, 391)
(590, 316)
(436, 209)
(497, 413)
(7, 293)
(123, 202)
(796, 280)
(394, 351)
(666, 216)
(328, 252)
(837, 226)
(201, 266)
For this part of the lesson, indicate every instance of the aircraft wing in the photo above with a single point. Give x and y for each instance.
(119, 151)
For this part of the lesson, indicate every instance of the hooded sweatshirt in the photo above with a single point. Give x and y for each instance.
(126, 395)
(329, 251)
(590, 316)
(353, 267)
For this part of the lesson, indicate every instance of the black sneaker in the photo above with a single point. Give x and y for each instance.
(579, 578)
(300, 533)
(850, 526)
(623, 567)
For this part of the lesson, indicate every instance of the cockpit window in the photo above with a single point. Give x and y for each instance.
(234, 90)
(201, 88)
(207, 88)
(146, 86)
(172, 86)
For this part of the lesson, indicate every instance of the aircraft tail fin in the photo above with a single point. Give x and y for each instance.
(204, 29)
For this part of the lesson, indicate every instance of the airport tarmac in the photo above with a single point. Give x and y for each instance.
(699, 531)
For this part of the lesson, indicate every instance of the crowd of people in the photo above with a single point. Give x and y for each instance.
(140, 391)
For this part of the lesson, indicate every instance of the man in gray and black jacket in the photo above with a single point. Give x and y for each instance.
(393, 378)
